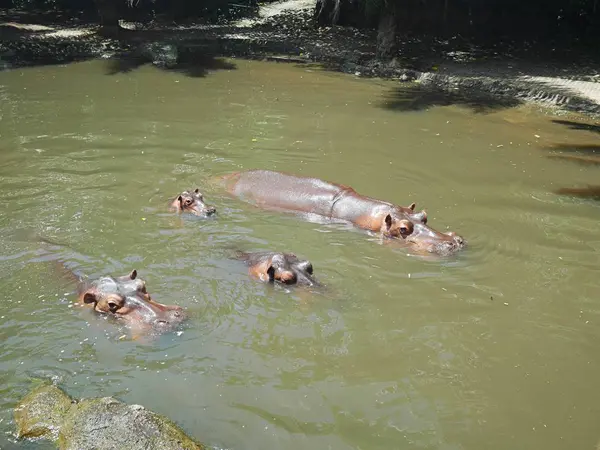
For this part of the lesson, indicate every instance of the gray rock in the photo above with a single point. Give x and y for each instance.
(96, 423)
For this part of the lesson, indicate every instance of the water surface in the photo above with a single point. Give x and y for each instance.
(495, 348)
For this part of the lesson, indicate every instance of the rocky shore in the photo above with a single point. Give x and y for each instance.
(48, 413)
(285, 32)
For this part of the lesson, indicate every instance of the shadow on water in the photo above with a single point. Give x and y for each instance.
(578, 125)
(421, 98)
(588, 154)
(588, 149)
(191, 62)
(591, 192)
(586, 160)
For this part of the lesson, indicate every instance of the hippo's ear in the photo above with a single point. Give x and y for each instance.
(412, 206)
(89, 297)
(196, 191)
(306, 266)
(271, 273)
(133, 274)
(388, 221)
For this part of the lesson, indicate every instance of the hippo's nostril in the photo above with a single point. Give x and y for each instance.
(458, 241)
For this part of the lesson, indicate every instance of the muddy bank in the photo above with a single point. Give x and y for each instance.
(285, 32)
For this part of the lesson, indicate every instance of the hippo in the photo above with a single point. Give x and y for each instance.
(193, 202)
(285, 268)
(282, 191)
(126, 299)
(285, 192)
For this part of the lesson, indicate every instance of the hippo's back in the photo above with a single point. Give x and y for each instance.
(278, 190)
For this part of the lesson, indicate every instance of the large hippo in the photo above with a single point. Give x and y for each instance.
(280, 191)
(285, 268)
(126, 299)
(47, 412)
(192, 202)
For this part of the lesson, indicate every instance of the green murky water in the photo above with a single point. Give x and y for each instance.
(494, 349)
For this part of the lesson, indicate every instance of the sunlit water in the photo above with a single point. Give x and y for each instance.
(494, 349)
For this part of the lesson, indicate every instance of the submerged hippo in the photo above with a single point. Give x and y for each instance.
(95, 423)
(280, 191)
(192, 202)
(285, 268)
(126, 299)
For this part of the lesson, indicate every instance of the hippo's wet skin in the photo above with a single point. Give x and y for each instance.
(192, 202)
(95, 423)
(126, 299)
(280, 191)
(285, 268)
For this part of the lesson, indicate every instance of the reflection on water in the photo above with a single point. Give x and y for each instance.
(493, 349)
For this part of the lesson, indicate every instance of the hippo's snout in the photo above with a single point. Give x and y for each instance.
(203, 210)
(169, 319)
(450, 246)
(431, 241)
(457, 240)
(172, 316)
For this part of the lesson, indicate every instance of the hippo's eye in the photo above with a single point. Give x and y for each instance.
(113, 307)
(403, 230)
(188, 202)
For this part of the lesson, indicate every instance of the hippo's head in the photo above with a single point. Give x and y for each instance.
(288, 269)
(285, 268)
(193, 202)
(421, 237)
(126, 298)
